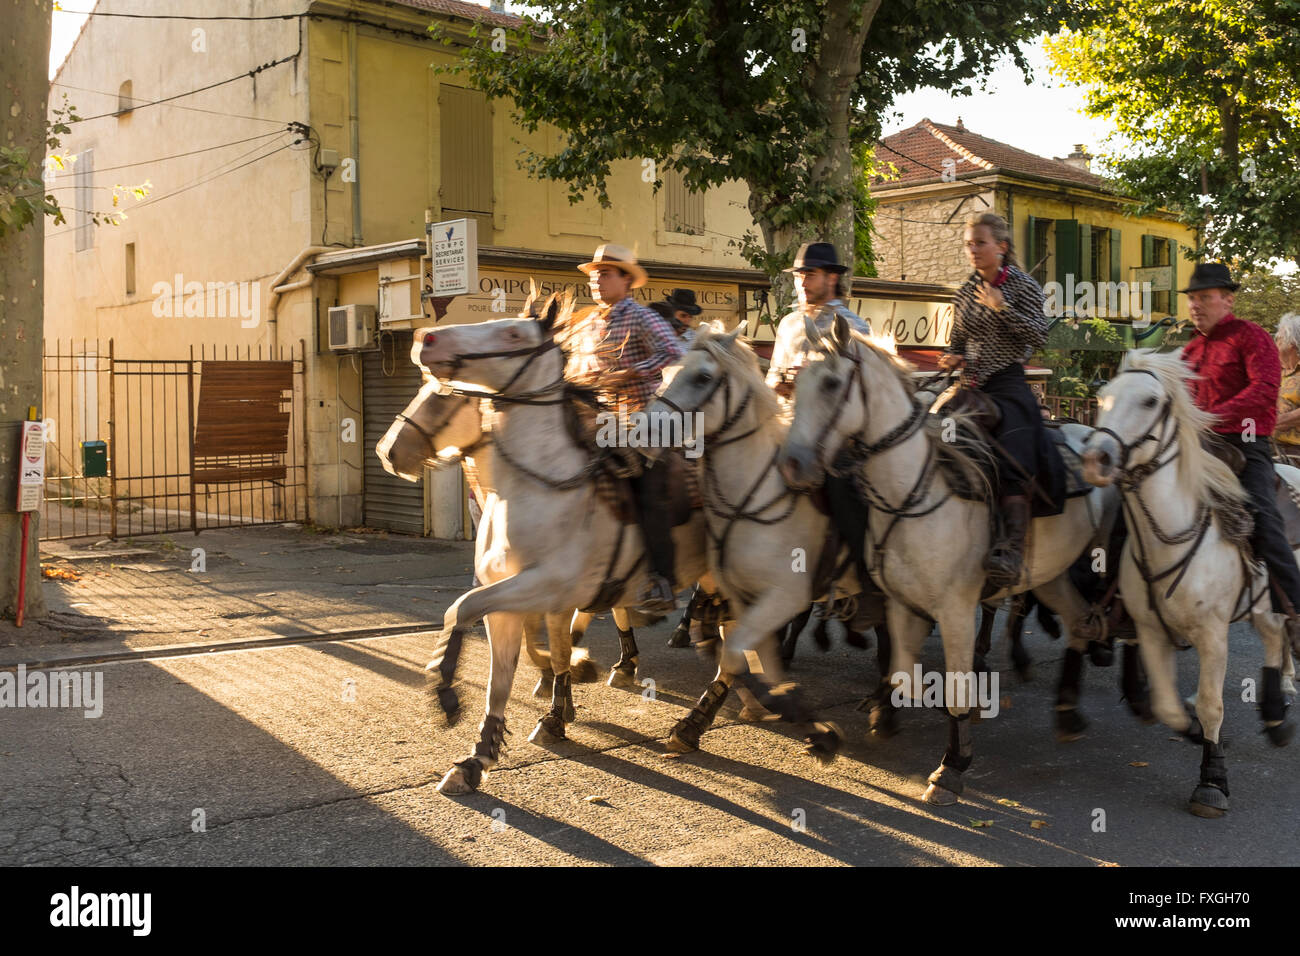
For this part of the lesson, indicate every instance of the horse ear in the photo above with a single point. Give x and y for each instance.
(731, 337)
(532, 297)
(840, 332)
(552, 312)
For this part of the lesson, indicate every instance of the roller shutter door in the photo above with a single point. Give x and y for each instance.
(389, 382)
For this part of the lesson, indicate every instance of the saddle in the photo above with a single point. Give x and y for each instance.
(1228, 454)
(618, 465)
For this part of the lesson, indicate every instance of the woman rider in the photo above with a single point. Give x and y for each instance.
(999, 323)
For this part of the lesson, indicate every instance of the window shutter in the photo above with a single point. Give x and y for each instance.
(1116, 267)
(1085, 253)
(1031, 240)
(84, 182)
(466, 135)
(1067, 249)
(1148, 250)
(683, 210)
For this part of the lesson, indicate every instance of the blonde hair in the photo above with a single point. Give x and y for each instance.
(1000, 231)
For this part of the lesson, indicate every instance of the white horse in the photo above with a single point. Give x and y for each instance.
(926, 546)
(439, 429)
(1183, 576)
(553, 544)
(765, 540)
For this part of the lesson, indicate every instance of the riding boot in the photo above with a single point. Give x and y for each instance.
(1005, 558)
(659, 595)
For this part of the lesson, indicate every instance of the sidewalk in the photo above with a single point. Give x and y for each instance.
(139, 593)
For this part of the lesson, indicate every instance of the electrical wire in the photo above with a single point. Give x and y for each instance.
(211, 86)
(175, 16)
(163, 159)
(177, 106)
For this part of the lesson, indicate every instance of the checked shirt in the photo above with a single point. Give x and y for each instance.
(989, 340)
(629, 335)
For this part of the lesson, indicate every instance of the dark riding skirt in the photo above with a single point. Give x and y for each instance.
(1026, 440)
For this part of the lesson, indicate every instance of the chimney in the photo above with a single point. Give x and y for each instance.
(960, 125)
(1079, 159)
(497, 6)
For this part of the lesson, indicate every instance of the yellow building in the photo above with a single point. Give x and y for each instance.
(293, 164)
(1070, 231)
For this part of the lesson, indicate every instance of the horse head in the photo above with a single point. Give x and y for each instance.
(706, 381)
(1134, 409)
(828, 409)
(433, 426)
(495, 355)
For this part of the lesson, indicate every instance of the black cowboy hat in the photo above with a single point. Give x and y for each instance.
(683, 299)
(668, 312)
(817, 255)
(1211, 275)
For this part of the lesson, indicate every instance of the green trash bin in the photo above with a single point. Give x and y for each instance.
(94, 459)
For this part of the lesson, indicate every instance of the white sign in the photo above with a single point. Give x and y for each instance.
(31, 466)
(1157, 278)
(914, 324)
(453, 246)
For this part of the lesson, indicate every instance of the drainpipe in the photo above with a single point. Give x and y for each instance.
(354, 125)
(278, 287)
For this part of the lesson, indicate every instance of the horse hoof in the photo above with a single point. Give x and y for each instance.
(681, 637)
(684, 738)
(823, 743)
(1208, 802)
(1070, 725)
(456, 782)
(545, 684)
(1279, 735)
(936, 795)
(756, 715)
(623, 677)
(549, 730)
(582, 669)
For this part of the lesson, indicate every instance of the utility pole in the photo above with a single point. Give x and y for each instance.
(24, 90)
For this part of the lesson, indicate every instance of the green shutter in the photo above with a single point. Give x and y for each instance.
(1173, 278)
(1085, 253)
(1116, 268)
(1067, 249)
(1148, 250)
(1029, 255)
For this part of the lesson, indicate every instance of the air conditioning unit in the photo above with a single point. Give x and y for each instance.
(352, 327)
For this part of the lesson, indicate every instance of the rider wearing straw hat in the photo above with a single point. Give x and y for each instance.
(1238, 372)
(632, 345)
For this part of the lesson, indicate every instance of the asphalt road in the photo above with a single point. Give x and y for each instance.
(256, 757)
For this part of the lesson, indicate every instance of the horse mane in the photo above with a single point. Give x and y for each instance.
(1207, 476)
(740, 364)
(972, 458)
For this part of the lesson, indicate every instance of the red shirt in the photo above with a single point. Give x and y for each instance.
(1239, 375)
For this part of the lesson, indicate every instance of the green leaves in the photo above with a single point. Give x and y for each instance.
(1205, 91)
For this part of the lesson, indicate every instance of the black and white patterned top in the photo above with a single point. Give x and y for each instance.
(989, 340)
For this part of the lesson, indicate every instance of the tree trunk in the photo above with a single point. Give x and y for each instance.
(23, 77)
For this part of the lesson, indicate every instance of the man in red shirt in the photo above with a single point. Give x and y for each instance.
(1238, 373)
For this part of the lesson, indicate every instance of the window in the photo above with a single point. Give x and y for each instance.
(1037, 243)
(124, 102)
(683, 210)
(83, 182)
(466, 147)
(130, 268)
(1159, 251)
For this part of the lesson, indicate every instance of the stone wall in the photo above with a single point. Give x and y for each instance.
(924, 247)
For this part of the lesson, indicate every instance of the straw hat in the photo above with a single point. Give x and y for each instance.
(620, 258)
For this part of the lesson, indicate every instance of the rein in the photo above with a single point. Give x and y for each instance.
(1131, 481)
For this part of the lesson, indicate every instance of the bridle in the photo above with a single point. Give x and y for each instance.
(431, 436)
(1131, 481)
(503, 395)
(729, 513)
(1141, 472)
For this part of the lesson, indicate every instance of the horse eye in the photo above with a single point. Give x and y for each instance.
(1150, 402)
(703, 377)
(830, 384)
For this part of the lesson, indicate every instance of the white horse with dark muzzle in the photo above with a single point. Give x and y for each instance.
(546, 540)
(924, 545)
(1183, 574)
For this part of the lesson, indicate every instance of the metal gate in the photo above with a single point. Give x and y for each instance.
(389, 382)
(214, 440)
